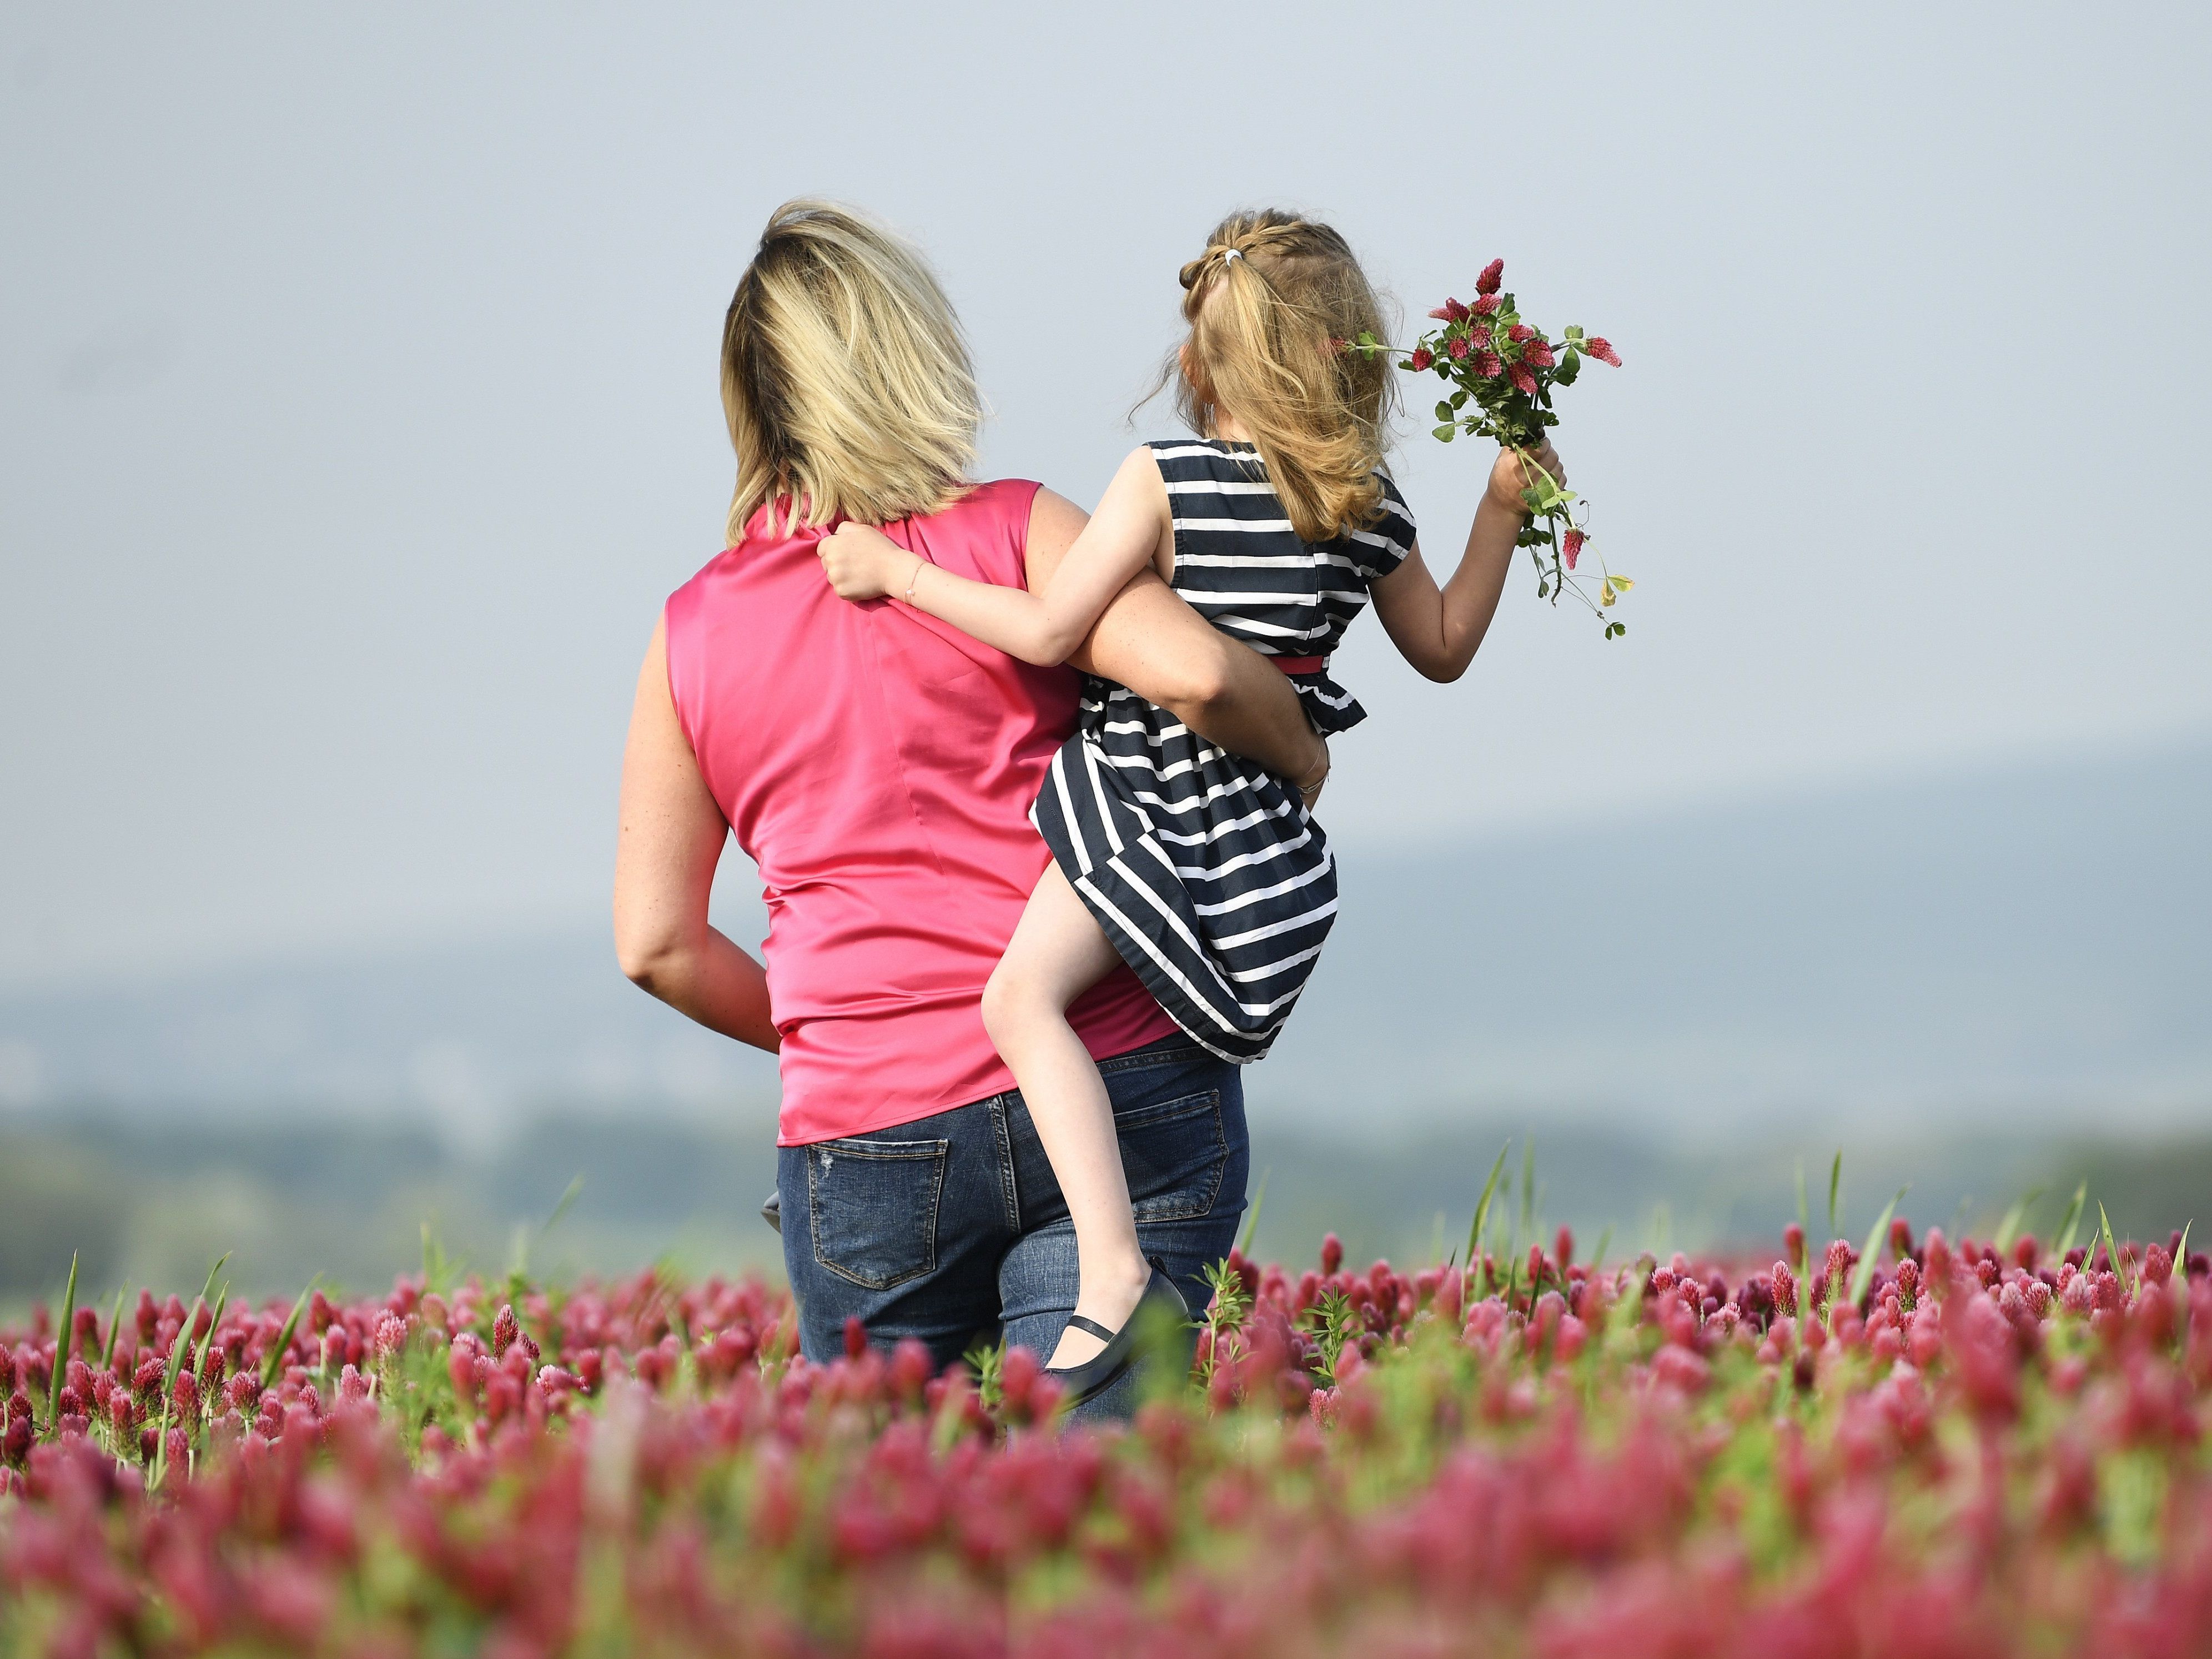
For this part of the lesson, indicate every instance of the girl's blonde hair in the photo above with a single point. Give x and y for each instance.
(1272, 350)
(845, 377)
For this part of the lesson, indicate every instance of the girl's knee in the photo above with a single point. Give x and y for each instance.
(1009, 1007)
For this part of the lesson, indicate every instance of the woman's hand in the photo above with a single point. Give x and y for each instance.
(863, 564)
(1515, 469)
(1310, 785)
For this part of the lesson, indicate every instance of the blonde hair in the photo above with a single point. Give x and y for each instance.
(1272, 352)
(845, 377)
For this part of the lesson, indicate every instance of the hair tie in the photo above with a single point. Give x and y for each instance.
(1228, 254)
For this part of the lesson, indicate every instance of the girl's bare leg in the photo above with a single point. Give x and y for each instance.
(1057, 953)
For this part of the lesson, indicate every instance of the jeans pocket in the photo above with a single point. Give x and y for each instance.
(872, 1206)
(1174, 1152)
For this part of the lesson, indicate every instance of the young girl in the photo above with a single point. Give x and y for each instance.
(1204, 874)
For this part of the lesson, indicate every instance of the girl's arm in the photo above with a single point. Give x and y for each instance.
(672, 838)
(1043, 627)
(1438, 629)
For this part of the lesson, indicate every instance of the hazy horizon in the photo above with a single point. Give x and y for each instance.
(2019, 952)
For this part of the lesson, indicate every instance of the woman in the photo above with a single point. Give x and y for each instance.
(879, 766)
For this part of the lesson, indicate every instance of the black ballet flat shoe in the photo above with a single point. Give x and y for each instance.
(1139, 1336)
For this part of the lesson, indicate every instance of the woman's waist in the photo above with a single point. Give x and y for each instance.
(919, 1052)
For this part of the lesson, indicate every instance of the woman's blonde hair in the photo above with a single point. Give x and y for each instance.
(845, 377)
(1272, 351)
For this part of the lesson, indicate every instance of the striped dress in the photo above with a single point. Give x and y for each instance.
(1206, 872)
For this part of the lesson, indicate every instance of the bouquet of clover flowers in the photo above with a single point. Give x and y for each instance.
(1501, 370)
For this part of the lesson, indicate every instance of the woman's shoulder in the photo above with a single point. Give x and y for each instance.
(996, 510)
(993, 499)
(983, 534)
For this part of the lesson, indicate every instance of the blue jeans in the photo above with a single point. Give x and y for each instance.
(951, 1228)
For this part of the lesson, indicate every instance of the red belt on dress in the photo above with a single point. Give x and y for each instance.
(1301, 665)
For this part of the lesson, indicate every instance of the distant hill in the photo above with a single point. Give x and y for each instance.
(2024, 941)
(464, 1037)
(2019, 943)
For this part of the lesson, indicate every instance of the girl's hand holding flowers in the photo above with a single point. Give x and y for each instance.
(863, 564)
(1502, 370)
(1516, 470)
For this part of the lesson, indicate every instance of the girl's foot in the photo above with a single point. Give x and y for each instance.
(1159, 1315)
(1106, 1300)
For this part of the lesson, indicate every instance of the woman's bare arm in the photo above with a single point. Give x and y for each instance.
(1439, 629)
(671, 839)
(1152, 643)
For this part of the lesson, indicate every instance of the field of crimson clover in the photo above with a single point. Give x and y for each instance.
(1924, 1449)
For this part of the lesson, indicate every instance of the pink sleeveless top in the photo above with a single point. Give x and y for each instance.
(879, 765)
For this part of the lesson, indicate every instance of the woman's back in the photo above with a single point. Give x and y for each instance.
(879, 766)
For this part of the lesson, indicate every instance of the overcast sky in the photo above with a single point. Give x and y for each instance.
(358, 408)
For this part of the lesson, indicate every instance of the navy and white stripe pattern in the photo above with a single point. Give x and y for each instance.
(1206, 872)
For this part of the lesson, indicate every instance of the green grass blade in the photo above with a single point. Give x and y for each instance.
(1804, 1214)
(208, 1289)
(63, 1344)
(2181, 1251)
(575, 1190)
(1528, 1214)
(178, 1349)
(1835, 1192)
(2071, 1221)
(1482, 1218)
(1597, 1262)
(1252, 1221)
(2112, 1250)
(1863, 1275)
(221, 1302)
(114, 1328)
(2008, 1229)
(273, 1361)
